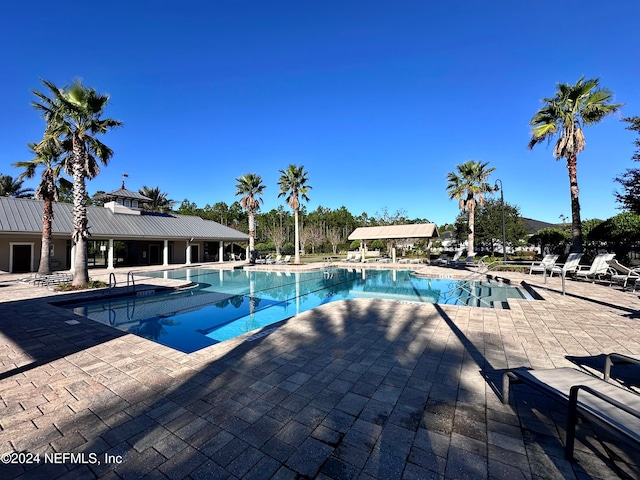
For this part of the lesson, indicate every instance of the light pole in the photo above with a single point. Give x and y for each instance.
(504, 232)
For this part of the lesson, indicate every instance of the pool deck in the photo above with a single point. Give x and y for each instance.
(353, 389)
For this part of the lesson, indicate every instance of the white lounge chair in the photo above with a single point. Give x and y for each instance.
(469, 261)
(571, 265)
(547, 263)
(286, 260)
(621, 274)
(271, 261)
(597, 269)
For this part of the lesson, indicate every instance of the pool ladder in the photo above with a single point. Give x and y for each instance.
(113, 283)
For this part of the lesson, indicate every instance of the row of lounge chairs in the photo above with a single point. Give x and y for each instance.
(604, 266)
(47, 280)
(269, 260)
(587, 397)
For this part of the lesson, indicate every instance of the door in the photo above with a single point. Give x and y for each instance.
(154, 254)
(195, 257)
(21, 258)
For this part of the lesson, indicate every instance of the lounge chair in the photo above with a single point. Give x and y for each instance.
(469, 261)
(355, 258)
(349, 257)
(618, 359)
(597, 269)
(547, 263)
(456, 257)
(571, 265)
(441, 260)
(621, 274)
(287, 259)
(587, 396)
(271, 261)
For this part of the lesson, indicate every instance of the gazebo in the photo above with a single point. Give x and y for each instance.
(394, 232)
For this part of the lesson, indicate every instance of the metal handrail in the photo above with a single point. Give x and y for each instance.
(112, 275)
(133, 282)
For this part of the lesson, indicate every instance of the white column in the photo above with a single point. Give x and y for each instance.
(110, 255)
(165, 253)
(221, 252)
(188, 253)
(73, 256)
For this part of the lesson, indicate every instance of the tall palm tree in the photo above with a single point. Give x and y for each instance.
(159, 200)
(251, 188)
(565, 115)
(73, 117)
(293, 185)
(468, 186)
(47, 157)
(12, 187)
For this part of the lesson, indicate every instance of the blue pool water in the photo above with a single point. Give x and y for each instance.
(227, 303)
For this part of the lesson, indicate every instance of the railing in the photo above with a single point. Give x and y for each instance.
(112, 282)
(133, 282)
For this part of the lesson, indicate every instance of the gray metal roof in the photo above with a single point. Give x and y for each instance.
(19, 215)
(124, 193)
(416, 230)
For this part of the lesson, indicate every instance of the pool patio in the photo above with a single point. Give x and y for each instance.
(353, 389)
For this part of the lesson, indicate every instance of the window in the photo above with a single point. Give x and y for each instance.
(119, 201)
(127, 203)
(134, 203)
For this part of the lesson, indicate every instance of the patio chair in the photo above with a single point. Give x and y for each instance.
(271, 261)
(571, 265)
(470, 260)
(618, 359)
(547, 263)
(597, 269)
(591, 398)
(621, 274)
(349, 257)
(441, 260)
(285, 261)
(456, 257)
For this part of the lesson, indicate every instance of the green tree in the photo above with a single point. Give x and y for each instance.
(489, 225)
(12, 187)
(73, 117)
(552, 238)
(251, 188)
(293, 185)
(47, 158)
(468, 186)
(159, 200)
(629, 198)
(565, 115)
(621, 229)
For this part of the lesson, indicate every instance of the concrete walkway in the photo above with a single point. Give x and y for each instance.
(352, 389)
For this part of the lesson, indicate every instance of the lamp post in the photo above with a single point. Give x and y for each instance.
(504, 232)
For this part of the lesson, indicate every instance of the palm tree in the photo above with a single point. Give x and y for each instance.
(12, 187)
(73, 117)
(293, 184)
(159, 200)
(572, 108)
(48, 157)
(251, 188)
(469, 186)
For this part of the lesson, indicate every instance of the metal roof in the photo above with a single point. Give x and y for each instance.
(19, 215)
(124, 193)
(416, 230)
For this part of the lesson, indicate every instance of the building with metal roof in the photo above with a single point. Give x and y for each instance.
(120, 234)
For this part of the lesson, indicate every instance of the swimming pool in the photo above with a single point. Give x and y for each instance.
(224, 304)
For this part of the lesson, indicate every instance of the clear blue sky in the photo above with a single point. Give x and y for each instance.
(379, 100)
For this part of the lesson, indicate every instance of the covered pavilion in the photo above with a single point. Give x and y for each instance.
(394, 232)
